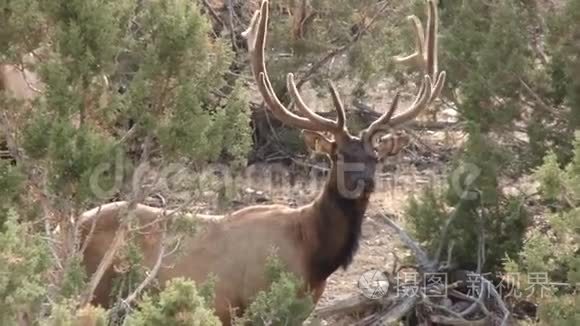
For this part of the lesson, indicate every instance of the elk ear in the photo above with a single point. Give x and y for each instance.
(318, 143)
(392, 144)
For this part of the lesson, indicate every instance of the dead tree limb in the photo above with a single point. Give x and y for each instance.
(153, 273)
(440, 303)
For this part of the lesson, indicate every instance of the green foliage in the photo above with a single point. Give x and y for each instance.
(486, 53)
(424, 214)
(565, 66)
(75, 142)
(235, 126)
(65, 314)
(19, 18)
(35, 141)
(179, 304)
(558, 84)
(335, 24)
(207, 289)
(556, 251)
(281, 304)
(70, 132)
(502, 226)
(480, 208)
(74, 154)
(23, 262)
(562, 311)
(180, 67)
(88, 33)
(10, 185)
(133, 272)
(74, 279)
(86, 36)
(10, 181)
(549, 175)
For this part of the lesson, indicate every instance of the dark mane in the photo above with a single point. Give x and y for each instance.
(335, 208)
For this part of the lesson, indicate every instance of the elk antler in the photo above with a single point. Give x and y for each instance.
(256, 39)
(425, 57)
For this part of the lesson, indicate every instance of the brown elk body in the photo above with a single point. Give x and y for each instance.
(312, 241)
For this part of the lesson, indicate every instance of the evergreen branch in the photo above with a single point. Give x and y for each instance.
(336, 52)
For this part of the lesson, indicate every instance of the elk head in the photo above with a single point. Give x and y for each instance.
(354, 156)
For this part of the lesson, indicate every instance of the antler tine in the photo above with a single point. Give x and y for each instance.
(425, 56)
(415, 58)
(251, 32)
(256, 39)
(431, 59)
(438, 87)
(339, 107)
(386, 117)
(421, 101)
(329, 124)
(383, 120)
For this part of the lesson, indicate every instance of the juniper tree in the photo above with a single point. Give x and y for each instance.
(506, 81)
(556, 82)
(486, 54)
(71, 140)
(553, 253)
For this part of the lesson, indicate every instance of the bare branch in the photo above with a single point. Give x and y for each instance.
(91, 231)
(212, 13)
(420, 254)
(22, 70)
(129, 213)
(153, 273)
(397, 312)
(393, 308)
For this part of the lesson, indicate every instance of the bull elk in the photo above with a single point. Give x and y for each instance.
(314, 240)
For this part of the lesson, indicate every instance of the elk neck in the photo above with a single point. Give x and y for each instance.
(336, 222)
